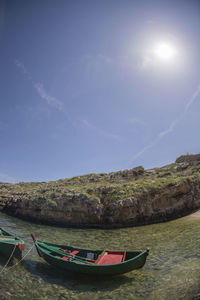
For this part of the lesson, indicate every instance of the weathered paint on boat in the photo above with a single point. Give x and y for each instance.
(10, 244)
(62, 257)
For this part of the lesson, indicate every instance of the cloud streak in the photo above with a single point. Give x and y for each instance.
(49, 99)
(171, 127)
(106, 134)
(52, 101)
(56, 103)
(21, 66)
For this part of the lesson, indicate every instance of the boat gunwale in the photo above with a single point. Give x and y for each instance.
(88, 263)
(10, 244)
(15, 238)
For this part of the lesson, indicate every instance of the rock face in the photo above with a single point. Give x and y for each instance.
(74, 210)
(124, 198)
(190, 158)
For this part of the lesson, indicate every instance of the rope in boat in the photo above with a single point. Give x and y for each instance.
(18, 261)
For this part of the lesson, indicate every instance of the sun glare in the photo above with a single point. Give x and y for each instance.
(164, 51)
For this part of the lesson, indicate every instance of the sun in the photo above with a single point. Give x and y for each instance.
(164, 51)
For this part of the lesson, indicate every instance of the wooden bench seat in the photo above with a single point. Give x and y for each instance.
(109, 258)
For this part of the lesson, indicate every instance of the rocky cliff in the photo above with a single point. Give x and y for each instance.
(124, 198)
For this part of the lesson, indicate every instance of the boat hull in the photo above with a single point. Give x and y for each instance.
(10, 245)
(96, 269)
(86, 267)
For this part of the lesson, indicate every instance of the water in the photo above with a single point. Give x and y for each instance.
(172, 270)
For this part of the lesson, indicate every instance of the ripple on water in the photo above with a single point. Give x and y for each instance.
(172, 270)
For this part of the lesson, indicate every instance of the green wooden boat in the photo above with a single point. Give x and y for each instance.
(10, 244)
(97, 262)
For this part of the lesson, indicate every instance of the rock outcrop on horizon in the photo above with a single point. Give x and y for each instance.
(118, 199)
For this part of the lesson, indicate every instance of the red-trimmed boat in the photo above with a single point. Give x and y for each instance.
(98, 262)
(10, 244)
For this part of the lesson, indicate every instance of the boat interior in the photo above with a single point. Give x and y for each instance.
(98, 257)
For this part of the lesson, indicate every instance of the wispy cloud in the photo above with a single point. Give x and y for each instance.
(191, 100)
(21, 66)
(106, 134)
(7, 178)
(50, 100)
(171, 127)
(135, 120)
(54, 102)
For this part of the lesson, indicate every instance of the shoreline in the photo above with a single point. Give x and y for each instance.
(192, 216)
(120, 199)
(189, 215)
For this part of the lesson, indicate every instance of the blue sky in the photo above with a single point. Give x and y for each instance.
(82, 90)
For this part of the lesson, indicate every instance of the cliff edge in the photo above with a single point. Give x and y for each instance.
(118, 199)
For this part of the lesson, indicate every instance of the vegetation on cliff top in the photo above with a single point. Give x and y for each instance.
(106, 187)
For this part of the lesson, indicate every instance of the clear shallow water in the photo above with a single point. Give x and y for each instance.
(172, 270)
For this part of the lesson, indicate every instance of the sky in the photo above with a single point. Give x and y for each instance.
(97, 86)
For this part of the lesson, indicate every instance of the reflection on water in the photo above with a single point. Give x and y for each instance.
(172, 270)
